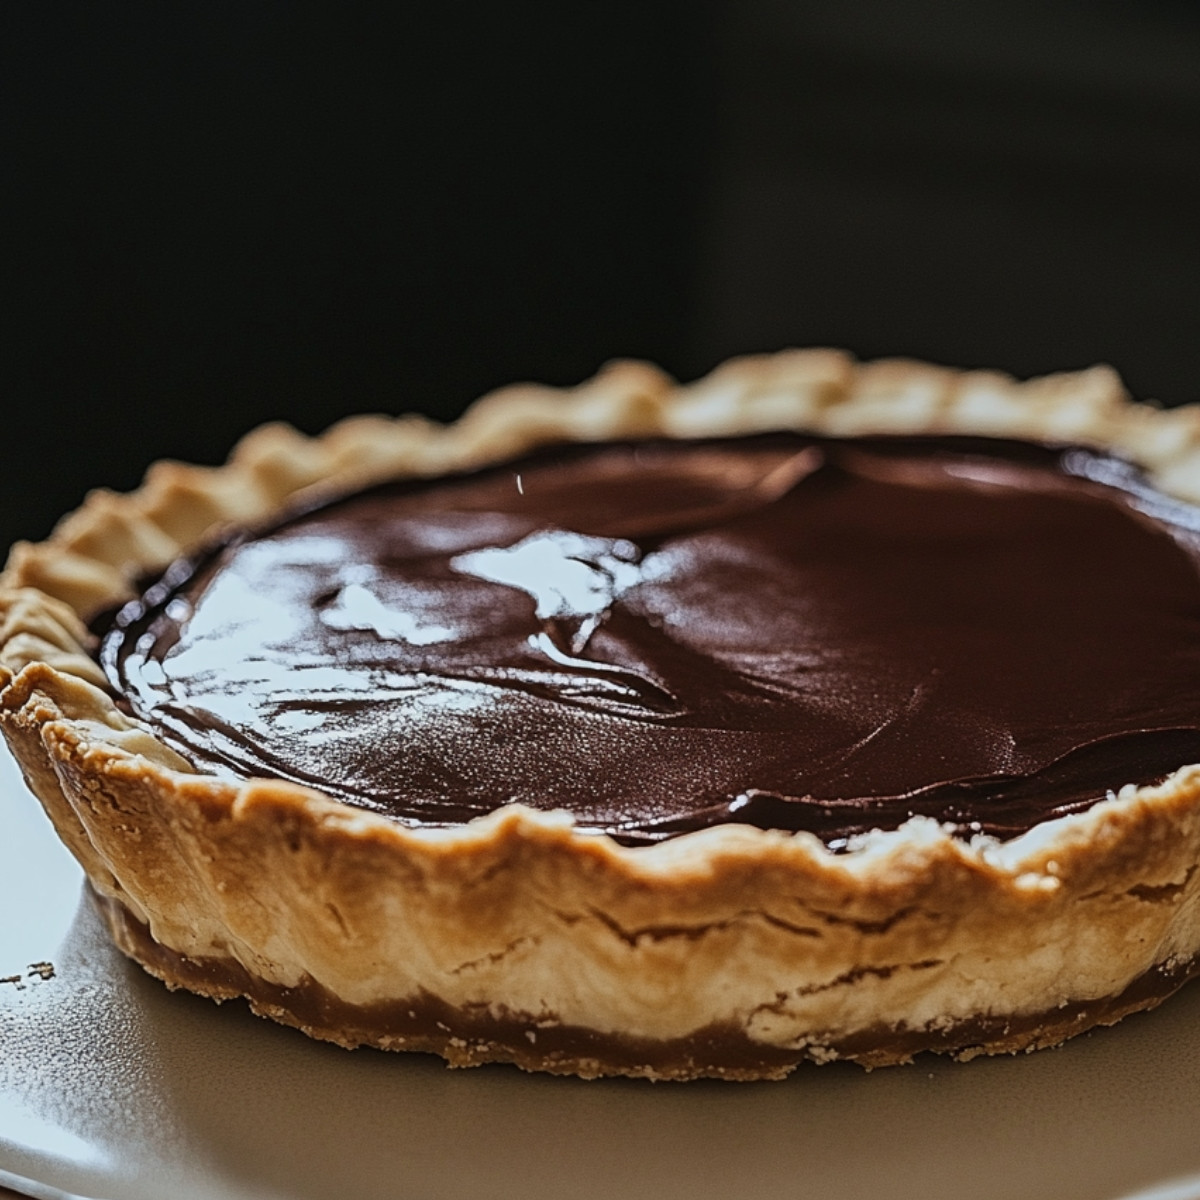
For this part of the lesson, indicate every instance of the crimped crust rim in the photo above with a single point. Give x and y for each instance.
(46, 589)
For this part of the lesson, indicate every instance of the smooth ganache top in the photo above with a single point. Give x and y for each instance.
(782, 630)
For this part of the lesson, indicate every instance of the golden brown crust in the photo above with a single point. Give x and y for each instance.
(801, 951)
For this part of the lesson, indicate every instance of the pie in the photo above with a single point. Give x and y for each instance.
(814, 710)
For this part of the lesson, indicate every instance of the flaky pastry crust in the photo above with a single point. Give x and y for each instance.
(731, 951)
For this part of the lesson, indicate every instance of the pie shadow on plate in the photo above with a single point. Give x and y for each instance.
(112, 1086)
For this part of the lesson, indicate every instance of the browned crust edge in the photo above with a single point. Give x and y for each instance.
(477, 1036)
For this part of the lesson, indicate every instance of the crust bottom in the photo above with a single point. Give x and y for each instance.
(474, 1036)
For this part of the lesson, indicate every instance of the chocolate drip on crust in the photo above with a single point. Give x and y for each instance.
(786, 631)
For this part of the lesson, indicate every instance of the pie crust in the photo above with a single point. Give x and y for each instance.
(732, 951)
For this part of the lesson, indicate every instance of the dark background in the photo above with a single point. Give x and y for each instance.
(218, 213)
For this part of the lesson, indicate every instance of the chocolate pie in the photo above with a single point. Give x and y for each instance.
(815, 710)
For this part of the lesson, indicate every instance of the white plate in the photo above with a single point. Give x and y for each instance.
(112, 1087)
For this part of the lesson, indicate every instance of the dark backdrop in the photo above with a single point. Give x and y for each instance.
(222, 213)
(214, 214)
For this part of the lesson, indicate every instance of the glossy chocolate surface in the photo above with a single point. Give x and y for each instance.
(784, 631)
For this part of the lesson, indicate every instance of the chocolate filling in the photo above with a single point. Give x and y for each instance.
(785, 631)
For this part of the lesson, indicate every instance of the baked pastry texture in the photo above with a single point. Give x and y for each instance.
(730, 951)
